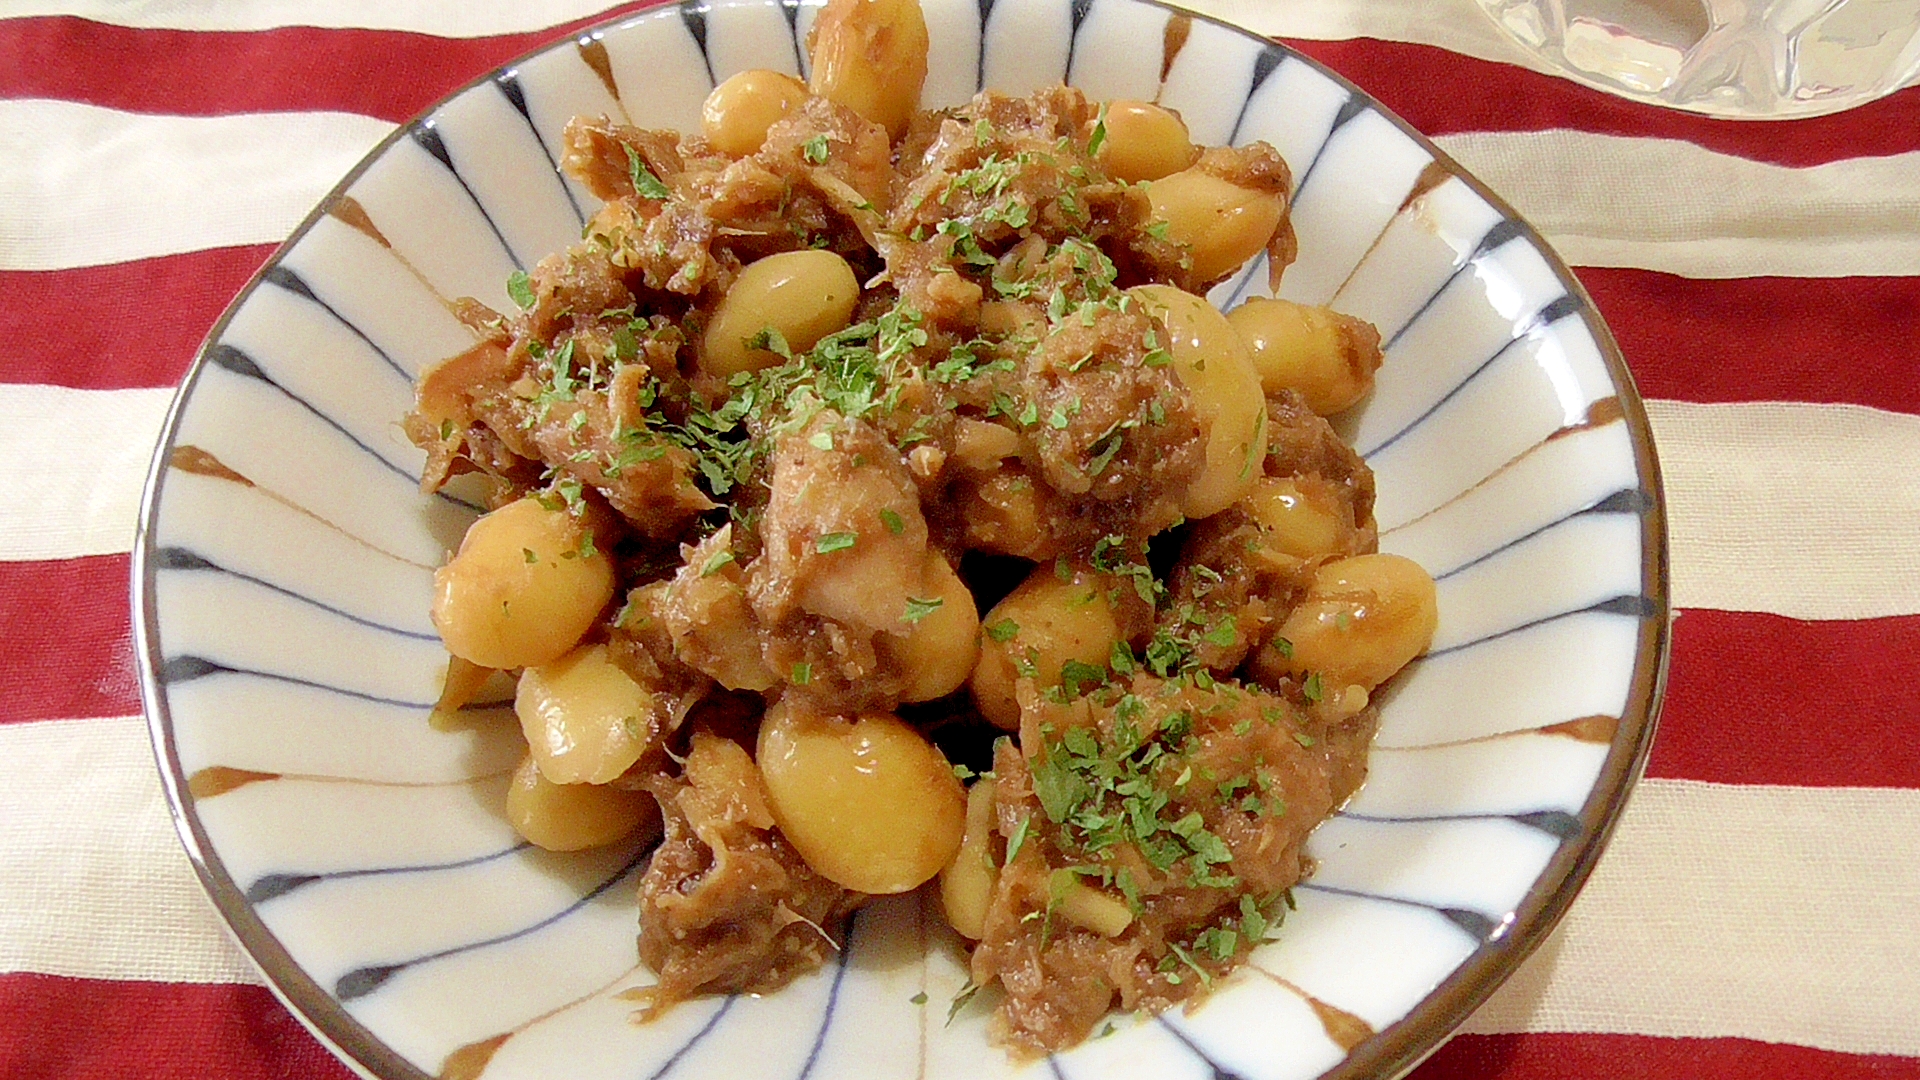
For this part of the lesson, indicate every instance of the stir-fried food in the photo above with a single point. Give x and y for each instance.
(858, 452)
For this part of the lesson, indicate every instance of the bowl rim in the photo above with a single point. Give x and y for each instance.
(1389, 1052)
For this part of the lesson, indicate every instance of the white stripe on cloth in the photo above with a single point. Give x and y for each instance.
(1752, 911)
(1458, 25)
(1780, 914)
(85, 185)
(468, 18)
(93, 881)
(1673, 206)
(76, 462)
(1803, 510)
(1791, 508)
(88, 185)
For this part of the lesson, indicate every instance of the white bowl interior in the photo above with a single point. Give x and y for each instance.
(363, 857)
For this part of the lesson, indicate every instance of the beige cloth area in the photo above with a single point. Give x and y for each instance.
(1707, 917)
(1783, 914)
(1809, 511)
(1731, 217)
(93, 880)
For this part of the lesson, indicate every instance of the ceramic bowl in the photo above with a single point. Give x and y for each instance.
(361, 856)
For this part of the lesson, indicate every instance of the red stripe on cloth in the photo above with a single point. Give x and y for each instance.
(120, 326)
(69, 639)
(1443, 93)
(1555, 1056)
(390, 74)
(1752, 698)
(59, 1028)
(1853, 340)
(1762, 699)
(396, 74)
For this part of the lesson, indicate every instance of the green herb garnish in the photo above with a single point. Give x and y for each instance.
(1018, 839)
(918, 609)
(829, 543)
(520, 287)
(645, 184)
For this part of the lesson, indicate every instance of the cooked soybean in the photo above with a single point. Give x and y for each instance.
(586, 720)
(1034, 632)
(942, 634)
(866, 800)
(737, 114)
(1083, 905)
(871, 56)
(1221, 223)
(1144, 141)
(1328, 357)
(1300, 518)
(1362, 619)
(1212, 362)
(526, 583)
(800, 295)
(967, 883)
(570, 817)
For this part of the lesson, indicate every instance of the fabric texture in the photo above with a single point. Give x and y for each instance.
(1755, 914)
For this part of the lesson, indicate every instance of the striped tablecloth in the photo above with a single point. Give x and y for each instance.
(1759, 911)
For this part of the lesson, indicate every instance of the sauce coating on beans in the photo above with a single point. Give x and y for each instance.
(878, 505)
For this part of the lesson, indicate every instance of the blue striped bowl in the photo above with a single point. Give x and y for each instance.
(362, 857)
